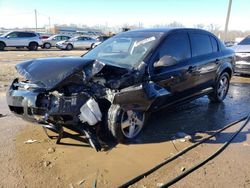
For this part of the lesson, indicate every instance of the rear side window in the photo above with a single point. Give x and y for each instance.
(214, 44)
(176, 45)
(24, 35)
(200, 44)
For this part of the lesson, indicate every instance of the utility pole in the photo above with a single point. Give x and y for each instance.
(227, 19)
(49, 25)
(36, 18)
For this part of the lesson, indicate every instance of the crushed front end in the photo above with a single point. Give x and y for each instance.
(54, 110)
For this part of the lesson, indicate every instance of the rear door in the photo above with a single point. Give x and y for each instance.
(24, 38)
(205, 59)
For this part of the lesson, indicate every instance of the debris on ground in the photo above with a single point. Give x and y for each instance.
(46, 163)
(183, 169)
(71, 185)
(183, 137)
(81, 182)
(188, 137)
(159, 184)
(181, 134)
(182, 140)
(51, 150)
(30, 141)
(3, 115)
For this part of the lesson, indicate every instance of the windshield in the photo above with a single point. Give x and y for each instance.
(51, 37)
(126, 49)
(5, 34)
(245, 41)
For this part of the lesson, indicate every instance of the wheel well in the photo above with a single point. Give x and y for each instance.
(33, 42)
(3, 43)
(228, 70)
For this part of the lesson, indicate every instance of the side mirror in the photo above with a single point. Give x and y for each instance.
(8, 37)
(165, 61)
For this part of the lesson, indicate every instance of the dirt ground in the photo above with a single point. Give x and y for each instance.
(74, 164)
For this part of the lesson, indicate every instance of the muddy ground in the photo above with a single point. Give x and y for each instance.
(74, 164)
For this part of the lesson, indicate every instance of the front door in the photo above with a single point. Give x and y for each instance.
(175, 76)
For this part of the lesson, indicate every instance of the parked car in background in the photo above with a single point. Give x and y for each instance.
(230, 43)
(18, 39)
(100, 39)
(242, 54)
(115, 86)
(79, 42)
(51, 41)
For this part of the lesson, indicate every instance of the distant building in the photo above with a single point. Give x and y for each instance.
(73, 31)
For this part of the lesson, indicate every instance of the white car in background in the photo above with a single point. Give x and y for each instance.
(28, 39)
(52, 40)
(242, 54)
(79, 42)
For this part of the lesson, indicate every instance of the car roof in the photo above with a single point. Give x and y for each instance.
(22, 31)
(169, 29)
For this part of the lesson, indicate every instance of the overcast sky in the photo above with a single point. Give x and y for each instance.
(20, 13)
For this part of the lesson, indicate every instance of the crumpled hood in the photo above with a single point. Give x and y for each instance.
(241, 48)
(48, 72)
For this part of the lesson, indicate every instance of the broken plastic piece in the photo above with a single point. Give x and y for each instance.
(30, 141)
(90, 112)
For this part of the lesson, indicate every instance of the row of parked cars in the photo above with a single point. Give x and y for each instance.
(33, 40)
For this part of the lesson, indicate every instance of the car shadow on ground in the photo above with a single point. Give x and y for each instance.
(199, 116)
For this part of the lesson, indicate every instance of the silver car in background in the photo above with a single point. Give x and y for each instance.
(79, 42)
(242, 54)
(52, 40)
(18, 39)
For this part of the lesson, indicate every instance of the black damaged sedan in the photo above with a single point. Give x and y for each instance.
(114, 87)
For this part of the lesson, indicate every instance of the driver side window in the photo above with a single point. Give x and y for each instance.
(175, 48)
(12, 35)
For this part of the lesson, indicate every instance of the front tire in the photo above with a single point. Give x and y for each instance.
(125, 125)
(2, 46)
(69, 47)
(47, 45)
(92, 46)
(220, 89)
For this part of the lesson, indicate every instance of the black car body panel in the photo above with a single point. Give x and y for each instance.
(78, 91)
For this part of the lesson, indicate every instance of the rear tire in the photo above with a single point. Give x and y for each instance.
(125, 125)
(2, 46)
(220, 89)
(33, 46)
